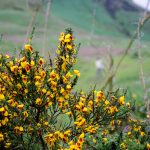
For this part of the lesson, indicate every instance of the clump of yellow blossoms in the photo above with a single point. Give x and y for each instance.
(36, 95)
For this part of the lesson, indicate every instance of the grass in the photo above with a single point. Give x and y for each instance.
(81, 15)
(128, 76)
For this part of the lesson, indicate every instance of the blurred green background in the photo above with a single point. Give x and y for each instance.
(101, 26)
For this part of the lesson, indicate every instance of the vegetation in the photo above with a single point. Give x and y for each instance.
(49, 100)
(35, 95)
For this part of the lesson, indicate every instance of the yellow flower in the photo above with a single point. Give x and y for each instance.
(53, 85)
(58, 52)
(6, 113)
(113, 109)
(69, 113)
(70, 143)
(107, 102)
(67, 132)
(121, 100)
(27, 68)
(63, 137)
(37, 78)
(80, 122)
(118, 122)
(38, 125)
(62, 90)
(68, 87)
(90, 103)
(81, 136)
(123, 145)
(99, 95)
(148, 146)
(26, 91)
(105, 132)
(20, 106)
(28, 47)
(77, 73)
(137, 128)
(129, 134)
(128, 105)
(69, 75)
(63, 67)
(38, 101)
(69, 47)
(53, 75)
(7, 145)
(74, 147)
(7, 56)
(4, 121)
(1, 137)
(2, 109)
(19, 86)
(24, 64)
(57, 132)
(80, 141)
(14, 69)
(25, 113)
(68, 38)
(62, 35)
(112, 123)
(41, 61)
(50, 139)
(22, 59)
(44, 90)
(10, 63)
(32, 63)
(45, 123)
(105, 140)
(42, 74)
(142, 134)
(24, 79)
(12, 102)
(18, 129)
(85, 109)
(94, 140)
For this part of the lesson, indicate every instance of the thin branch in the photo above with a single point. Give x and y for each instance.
(46, 26)
(141, 23)
(30, 26)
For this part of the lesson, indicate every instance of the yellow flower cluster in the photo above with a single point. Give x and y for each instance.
(30, 90)
(51, 139)
(35, 96)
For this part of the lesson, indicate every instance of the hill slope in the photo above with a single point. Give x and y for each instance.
(102, 17)
(92, 20)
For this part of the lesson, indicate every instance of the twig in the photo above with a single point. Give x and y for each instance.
(146, 99)
(141, 23)
(46, 26)
(30, 26)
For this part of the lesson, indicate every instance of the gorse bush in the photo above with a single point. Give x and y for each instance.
(40, 110)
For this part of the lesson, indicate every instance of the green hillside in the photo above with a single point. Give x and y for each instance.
(86, 15)
(78, 13)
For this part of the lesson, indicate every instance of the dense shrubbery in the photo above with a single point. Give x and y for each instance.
(35, 95)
